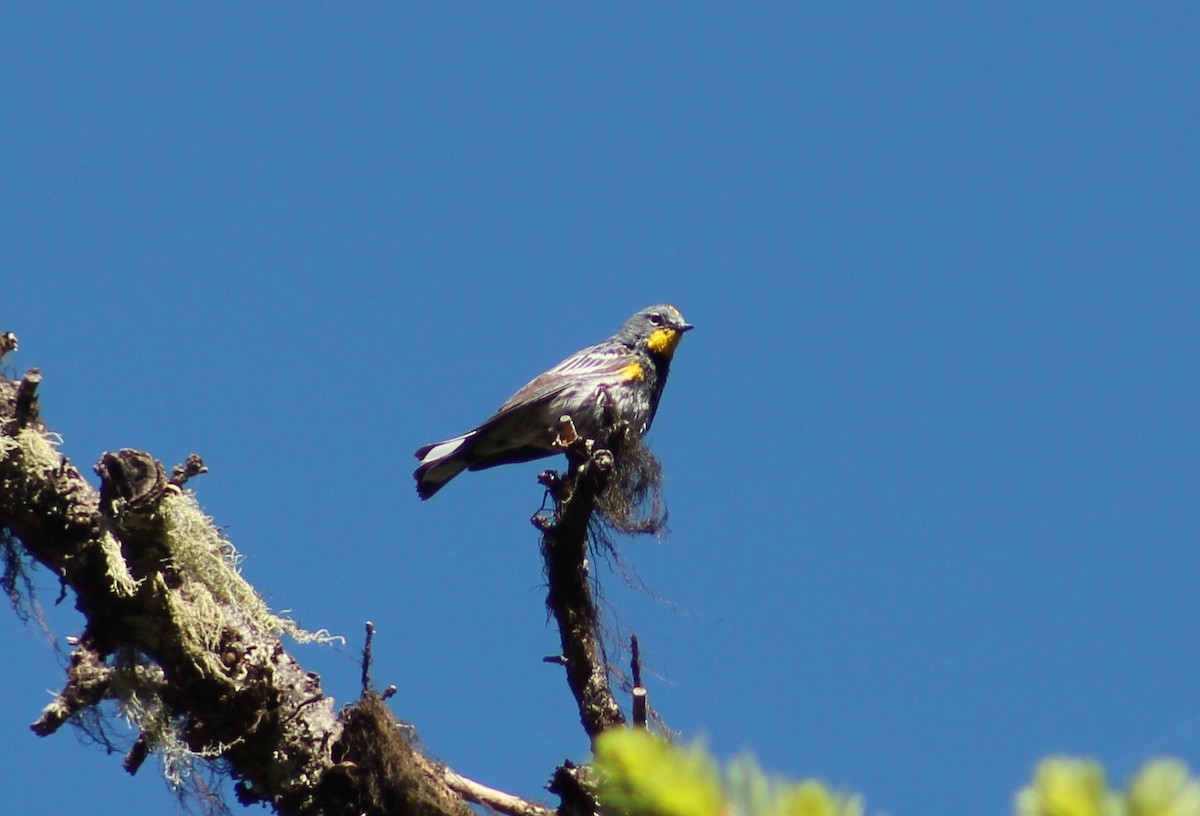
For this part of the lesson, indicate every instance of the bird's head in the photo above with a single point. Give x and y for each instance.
(657, 329)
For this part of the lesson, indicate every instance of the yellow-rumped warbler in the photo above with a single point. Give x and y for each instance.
(621, 378)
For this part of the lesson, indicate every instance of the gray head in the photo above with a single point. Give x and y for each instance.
(657, 329)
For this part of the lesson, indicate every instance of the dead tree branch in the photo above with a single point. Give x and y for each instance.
(569, 598)
(177, 638)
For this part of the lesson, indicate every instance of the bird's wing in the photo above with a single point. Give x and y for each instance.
(601, 363)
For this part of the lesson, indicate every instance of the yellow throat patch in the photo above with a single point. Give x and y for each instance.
(663, 341)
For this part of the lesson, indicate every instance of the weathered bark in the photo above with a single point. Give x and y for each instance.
(177, 637)
(612, 484)
(569, 598)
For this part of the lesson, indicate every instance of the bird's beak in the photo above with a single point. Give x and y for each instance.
(683, 327)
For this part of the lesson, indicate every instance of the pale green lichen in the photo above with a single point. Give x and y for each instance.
(123, 582)
(38, 450)
(212, 592)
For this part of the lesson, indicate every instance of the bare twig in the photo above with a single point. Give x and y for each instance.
(27, 405)
(639, 691)
(87, 683)
(366, 657)
(137, 755)
(491, 798)
(8, 343)
(194, 466)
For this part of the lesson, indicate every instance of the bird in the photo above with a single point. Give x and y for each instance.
(621, 378)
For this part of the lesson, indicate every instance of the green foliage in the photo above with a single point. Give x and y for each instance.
(641, 774)
(1068, 786)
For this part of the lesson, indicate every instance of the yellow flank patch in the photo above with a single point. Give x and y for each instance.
(633, 371)
(663, 341)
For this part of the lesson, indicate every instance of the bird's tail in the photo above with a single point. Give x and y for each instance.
(441, 462)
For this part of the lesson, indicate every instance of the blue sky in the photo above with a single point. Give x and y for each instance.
(932, 455)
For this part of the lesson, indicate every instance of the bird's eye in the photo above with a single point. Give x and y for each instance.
(656, 318)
